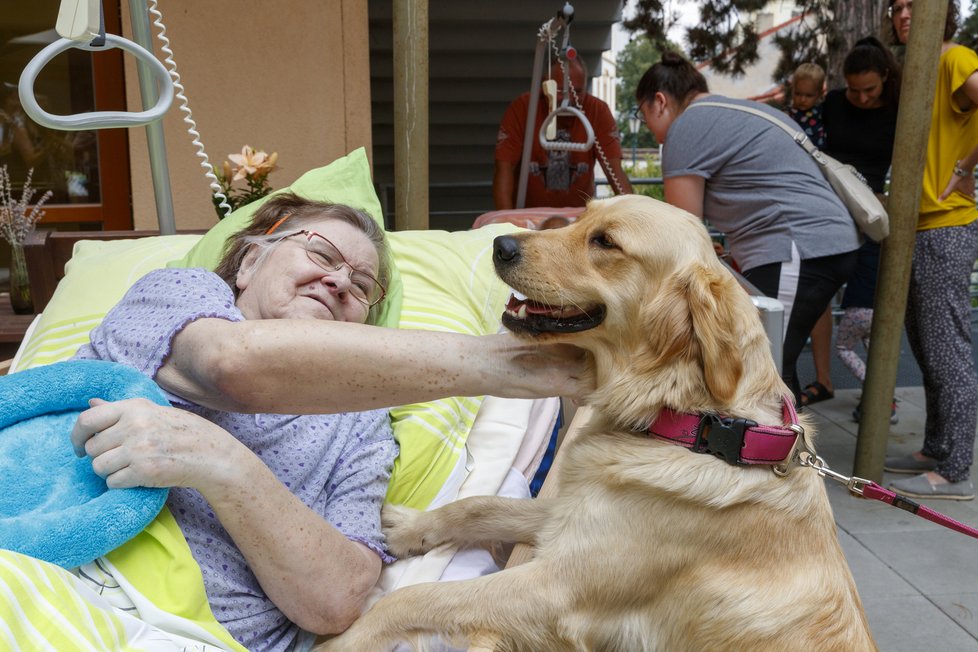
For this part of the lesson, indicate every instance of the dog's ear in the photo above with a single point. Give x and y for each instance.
(716, 325)
(669, 328)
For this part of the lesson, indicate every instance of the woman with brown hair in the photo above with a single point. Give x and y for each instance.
(788, 231)
(860, 126)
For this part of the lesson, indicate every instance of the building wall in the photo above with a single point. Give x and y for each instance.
(290, 76)
(757, 81)
(605, 86)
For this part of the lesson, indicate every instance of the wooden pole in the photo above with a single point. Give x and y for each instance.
(410, 114)
(909, 153)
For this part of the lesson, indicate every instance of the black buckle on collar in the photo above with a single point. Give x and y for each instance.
(723, 438)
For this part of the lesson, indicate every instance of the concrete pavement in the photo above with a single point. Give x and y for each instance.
(918, 581)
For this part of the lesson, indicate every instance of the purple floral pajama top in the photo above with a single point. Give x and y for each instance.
(337, 464)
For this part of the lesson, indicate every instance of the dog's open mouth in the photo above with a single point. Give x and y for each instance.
(530, 316)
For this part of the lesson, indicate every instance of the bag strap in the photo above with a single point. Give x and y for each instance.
(798, 136)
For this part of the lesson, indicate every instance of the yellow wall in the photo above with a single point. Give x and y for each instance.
(290, 76)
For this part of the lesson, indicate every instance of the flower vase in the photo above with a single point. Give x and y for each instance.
(20, 289)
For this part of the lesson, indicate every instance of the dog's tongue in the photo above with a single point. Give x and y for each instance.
(525, 315)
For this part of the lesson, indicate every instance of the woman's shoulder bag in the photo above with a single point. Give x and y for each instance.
(851, 187)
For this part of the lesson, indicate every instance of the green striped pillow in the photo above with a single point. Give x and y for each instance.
(449, 285)
(96, 277)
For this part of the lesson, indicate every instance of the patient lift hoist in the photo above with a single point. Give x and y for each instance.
(547, 37)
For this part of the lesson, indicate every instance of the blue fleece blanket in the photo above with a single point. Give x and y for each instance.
(52, 505)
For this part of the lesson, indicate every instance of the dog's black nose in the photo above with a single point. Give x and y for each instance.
(505, 249)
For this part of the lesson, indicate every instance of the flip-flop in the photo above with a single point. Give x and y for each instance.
(814, 393)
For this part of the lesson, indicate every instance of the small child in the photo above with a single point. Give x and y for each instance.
(806, 91)
(857, 318)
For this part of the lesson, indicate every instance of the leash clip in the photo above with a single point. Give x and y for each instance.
(853, 484)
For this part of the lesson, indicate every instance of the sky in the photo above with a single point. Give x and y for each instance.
(688, 15)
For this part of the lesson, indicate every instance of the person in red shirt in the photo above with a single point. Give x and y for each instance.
(557, 178)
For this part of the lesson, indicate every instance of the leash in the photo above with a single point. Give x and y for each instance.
(869, 489)
(744, 442)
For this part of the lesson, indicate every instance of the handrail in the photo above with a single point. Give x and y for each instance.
(562, 146)
(546, 32)
(93, 119)
(151, 73)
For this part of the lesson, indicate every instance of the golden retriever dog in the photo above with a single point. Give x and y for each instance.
(648, 545)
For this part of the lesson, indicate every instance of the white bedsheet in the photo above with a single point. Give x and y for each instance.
(504, 450)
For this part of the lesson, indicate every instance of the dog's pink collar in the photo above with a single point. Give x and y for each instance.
(737, 441)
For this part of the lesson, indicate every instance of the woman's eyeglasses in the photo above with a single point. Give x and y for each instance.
(363, 286)
(897, 9)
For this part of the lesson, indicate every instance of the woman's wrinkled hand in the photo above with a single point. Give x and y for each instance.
(573, 369)
(550, 369)
(136, 443)
(965, 185)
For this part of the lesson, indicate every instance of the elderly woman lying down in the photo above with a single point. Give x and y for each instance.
(280, 503)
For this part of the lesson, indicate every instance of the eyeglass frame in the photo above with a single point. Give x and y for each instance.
(894, 10)
(309, 254)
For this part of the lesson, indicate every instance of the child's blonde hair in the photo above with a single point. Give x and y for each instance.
(811, 71)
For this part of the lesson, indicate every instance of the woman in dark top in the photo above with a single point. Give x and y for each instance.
(860, 125)
(862, 116)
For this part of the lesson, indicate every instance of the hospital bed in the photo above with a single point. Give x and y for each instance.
(449, 449)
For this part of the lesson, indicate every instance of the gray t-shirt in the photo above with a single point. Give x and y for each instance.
(763, 191)
(337, 464)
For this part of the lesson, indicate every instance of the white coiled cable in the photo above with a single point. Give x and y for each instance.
(185, 107)
(577, 102)
(547, 32)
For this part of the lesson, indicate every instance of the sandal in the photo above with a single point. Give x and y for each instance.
(815, 392)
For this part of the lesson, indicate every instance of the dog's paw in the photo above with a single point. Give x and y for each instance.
(406, 530)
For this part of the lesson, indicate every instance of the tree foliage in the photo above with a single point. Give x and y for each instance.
(968, 33)
(727, 38)
(634, 59)
(723, 36)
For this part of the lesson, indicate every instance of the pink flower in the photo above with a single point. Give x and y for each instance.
(252, 163)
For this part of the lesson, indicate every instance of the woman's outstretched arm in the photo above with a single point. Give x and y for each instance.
(303, 367)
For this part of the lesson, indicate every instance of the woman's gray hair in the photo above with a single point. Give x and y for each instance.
(288, 213)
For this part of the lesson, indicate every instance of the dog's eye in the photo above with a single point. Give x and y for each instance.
(603, 241)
